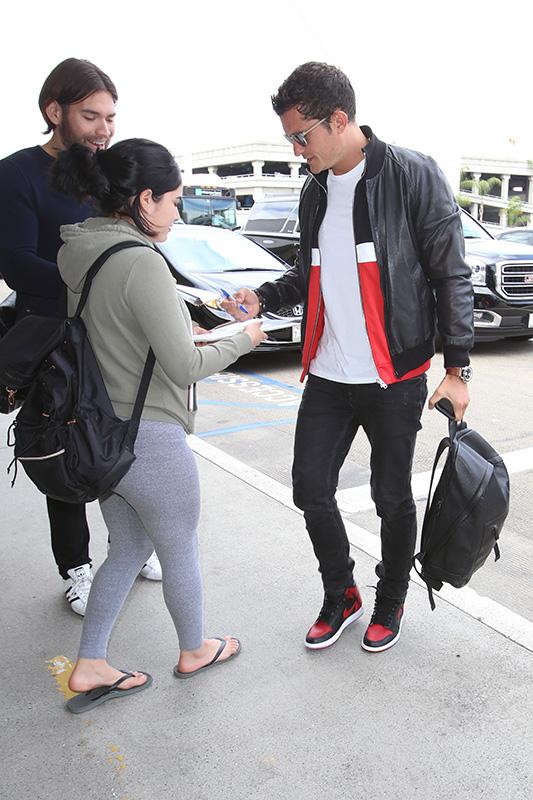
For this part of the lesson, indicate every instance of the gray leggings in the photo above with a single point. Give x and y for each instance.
(156, 505)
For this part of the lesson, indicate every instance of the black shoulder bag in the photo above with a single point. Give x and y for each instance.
(66, 436)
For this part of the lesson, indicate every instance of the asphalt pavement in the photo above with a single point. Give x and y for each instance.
(446, 713)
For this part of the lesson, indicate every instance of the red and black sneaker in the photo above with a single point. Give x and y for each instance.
(336, 614)
(385, 625)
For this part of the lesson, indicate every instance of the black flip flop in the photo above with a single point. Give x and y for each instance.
(214, 661)
(85, 701)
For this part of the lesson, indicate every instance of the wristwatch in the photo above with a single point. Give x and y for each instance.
(465, 373)
(261, 303)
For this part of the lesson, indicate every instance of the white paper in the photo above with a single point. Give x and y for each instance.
(231, 328)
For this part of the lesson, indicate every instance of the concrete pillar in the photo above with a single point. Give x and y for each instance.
(530, 191)
(474, 210)
(476, 176)
(505, 186)
(503, 217)
(295, 168)
(212, 170)
(258, 168)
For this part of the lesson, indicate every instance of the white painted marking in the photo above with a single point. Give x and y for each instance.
(358, 498)
(261, 391)
(489, 612)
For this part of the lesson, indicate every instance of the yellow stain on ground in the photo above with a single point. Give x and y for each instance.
(116, 759)
(61, 667)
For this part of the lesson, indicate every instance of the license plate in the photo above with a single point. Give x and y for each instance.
(297, 332)
(530, 323)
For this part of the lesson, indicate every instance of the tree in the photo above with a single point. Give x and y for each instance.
(516, 216)
(480, 186)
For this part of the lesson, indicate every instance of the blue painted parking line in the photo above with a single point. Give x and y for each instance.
(248, 427)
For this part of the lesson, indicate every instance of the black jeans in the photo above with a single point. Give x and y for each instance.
(329, 417)
(69, 533)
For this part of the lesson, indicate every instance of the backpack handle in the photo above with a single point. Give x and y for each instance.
(446, 408)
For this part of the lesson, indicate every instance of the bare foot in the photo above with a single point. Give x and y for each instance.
(90, 673)
(192, 660)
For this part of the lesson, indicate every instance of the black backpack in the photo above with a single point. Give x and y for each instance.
(66, 436)
(465, 516)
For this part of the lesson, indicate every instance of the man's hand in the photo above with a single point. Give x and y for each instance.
(456, 391)
(244, 298)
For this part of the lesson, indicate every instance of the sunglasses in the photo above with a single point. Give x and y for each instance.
(300, 138)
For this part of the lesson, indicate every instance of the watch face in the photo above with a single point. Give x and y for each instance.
(466, 374)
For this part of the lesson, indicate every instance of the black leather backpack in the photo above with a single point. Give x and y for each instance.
(464, 517)
(66, 435)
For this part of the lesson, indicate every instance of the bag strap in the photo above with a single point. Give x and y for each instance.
(444, 444)
(97, 265)
(133, 426)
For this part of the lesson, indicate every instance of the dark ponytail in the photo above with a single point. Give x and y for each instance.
(77, 172)
(116, 177)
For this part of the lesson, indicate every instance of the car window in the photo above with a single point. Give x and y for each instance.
(472, 229)
(518, 236)
(273, 217)
(215, 251)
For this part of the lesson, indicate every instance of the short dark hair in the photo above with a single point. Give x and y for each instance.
(117, 176)
(316, 90)
(71, 81)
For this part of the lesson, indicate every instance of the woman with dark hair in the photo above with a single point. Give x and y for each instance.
(133, 305)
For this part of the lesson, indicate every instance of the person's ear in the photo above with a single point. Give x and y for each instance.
(339, 120)
(54, 113)
(146, 200)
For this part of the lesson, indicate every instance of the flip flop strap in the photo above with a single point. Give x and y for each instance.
(218, 652)
(107, 689)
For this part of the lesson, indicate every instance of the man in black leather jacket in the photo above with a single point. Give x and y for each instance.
(381, 260)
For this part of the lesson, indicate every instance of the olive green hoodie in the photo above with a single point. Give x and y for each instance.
(133, 304)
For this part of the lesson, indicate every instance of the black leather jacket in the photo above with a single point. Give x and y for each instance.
(418, 239)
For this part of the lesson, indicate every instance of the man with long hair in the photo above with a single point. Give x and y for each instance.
(77, 102)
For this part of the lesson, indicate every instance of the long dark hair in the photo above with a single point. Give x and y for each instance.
(71, 81)
(117, 176)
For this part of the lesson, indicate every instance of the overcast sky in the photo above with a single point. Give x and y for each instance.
(448, 78)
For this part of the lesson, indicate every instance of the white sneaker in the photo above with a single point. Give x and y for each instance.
(77, 587)
(152, 569)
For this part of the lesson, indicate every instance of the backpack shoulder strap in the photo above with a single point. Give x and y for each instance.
(133, 426)
(97, 265)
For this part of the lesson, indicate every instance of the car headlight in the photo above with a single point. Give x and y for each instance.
(478, 269)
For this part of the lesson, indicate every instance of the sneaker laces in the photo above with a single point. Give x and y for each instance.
(331, 602)
(384, 611)
(81, 586)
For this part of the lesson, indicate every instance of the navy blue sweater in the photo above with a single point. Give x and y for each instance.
(31, 214)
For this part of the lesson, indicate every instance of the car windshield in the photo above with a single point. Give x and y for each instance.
(273, 216)
(472, 229)
(197, 250)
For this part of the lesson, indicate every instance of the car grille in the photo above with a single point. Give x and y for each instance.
(515, 280)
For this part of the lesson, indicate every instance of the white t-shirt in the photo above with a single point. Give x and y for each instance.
(344, 353)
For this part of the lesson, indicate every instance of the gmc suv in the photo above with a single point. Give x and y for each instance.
(502, 271)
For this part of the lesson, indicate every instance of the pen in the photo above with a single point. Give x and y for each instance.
(228, 296)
